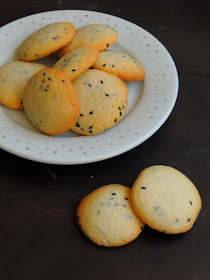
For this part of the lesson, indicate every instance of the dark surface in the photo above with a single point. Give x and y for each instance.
(39, 238)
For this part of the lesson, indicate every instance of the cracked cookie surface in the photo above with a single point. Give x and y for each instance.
(77, 61)
(106, 217)
(99, 36)
(50, 101)
(120, 64)
(165, 199)
(46, 40)
(103, 101)
(13, 79)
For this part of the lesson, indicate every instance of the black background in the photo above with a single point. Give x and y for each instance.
(39, 238)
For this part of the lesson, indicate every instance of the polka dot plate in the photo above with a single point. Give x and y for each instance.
(150, 102)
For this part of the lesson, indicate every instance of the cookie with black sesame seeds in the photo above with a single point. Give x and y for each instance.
(121, 65)
(106, 217)
(165, 199)
(99, 36)
(103, 101)
(50, 101)
(46, 40)
(77, 61)
(13, 79)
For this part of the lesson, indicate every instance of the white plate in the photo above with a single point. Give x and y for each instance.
(149, 104)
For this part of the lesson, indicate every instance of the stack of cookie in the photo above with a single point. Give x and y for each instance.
(161, 197)
(83, 91)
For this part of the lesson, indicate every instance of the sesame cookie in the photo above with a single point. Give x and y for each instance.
(13, 79)
(99, 36)
(77, 61)
(103, 101)
(121, 65)
(50, 101)
(106, 217)
(165, 199)
(46, 40)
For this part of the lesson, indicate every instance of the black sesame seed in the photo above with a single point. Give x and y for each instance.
(191, 202)
(64, 59)
(63, 81)
(37, 55)
(107, 45)
(90, 127)
(45, 90)
(81, 115)
(104, 65)
(126, 198)
(73, 70)
(134, 61)
(124, 205)
(90, 131)
(91, 112)
(143, 188)
(82, 128)
(119, 108)
(77, 124)
(189, 219)
(102, 82)
(49, 79)
(176, 220)
(47, 86)
(120, 113)
(43, 74)
(89, 85)
(106, 94)
(114, 193)
(123, 106)
(123, 55)
(115, 120)
(112, 65)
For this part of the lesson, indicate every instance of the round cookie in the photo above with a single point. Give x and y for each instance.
(50, 101)
(121, 65)
(13, 79)
(106, 217)
(99, 36)
(103, 101)
(46, 40)
(165, 199)
(77, 61)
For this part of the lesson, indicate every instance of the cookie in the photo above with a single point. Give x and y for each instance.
(13, 79)
(46, 40)
(165, 199)
(50, 101)
(99, 36)
(77, 61)
(106, 217)
(103, 101)
(121, 65)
